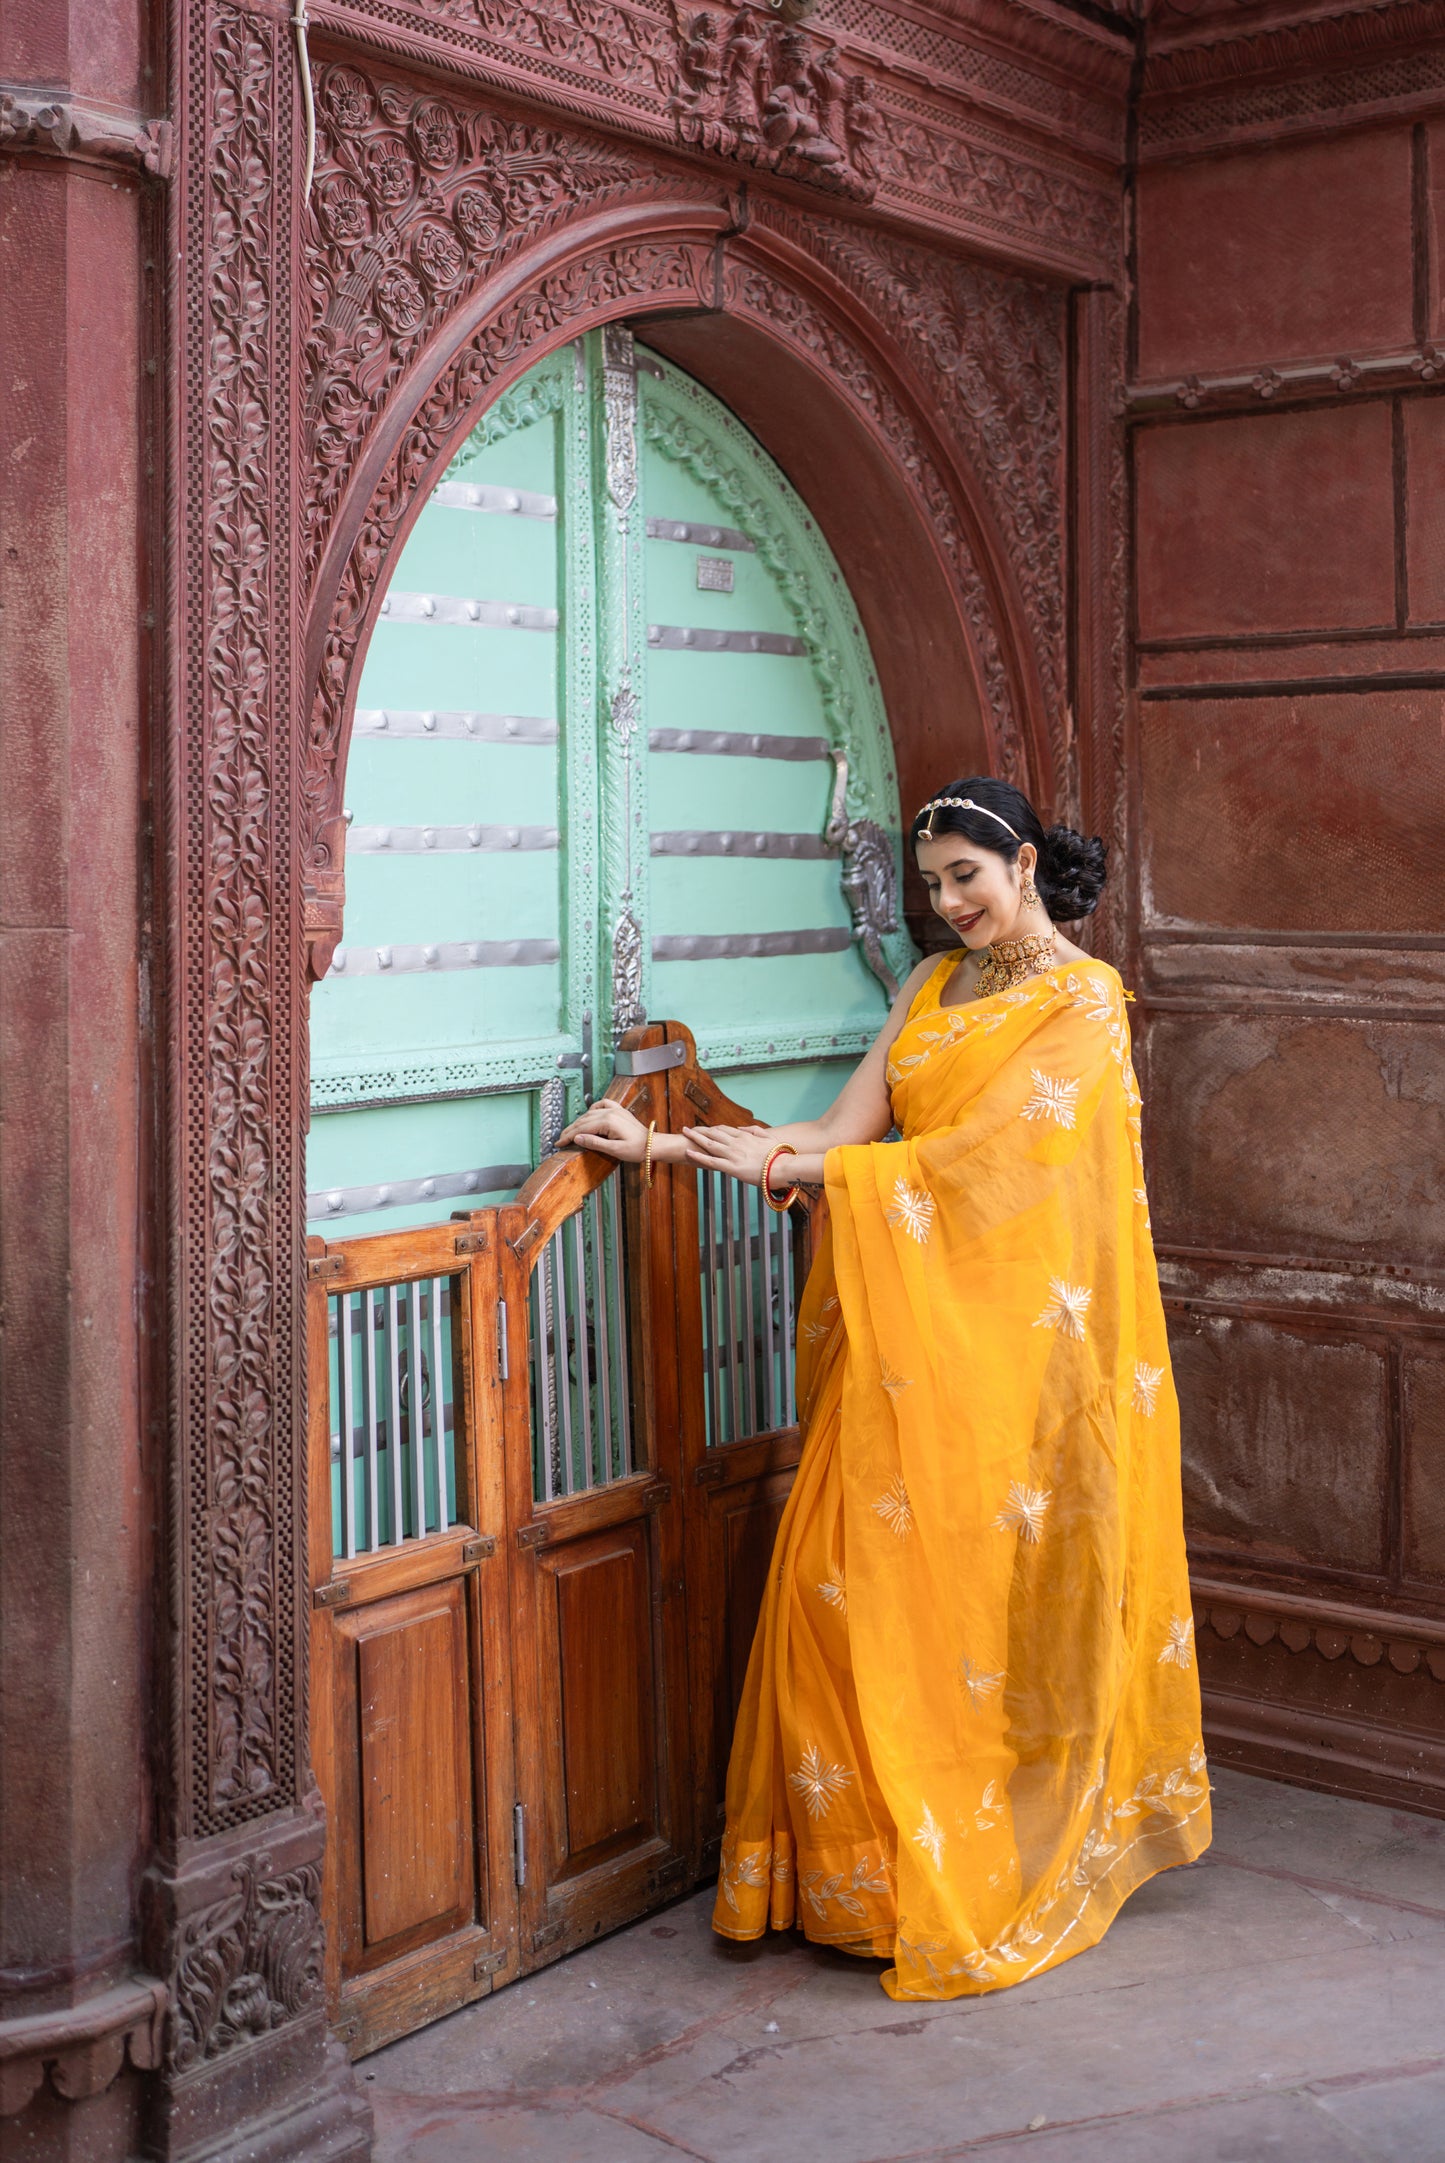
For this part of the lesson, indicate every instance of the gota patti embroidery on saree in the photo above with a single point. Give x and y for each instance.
(970, 1726)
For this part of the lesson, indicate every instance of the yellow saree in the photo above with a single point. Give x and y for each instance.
(970, 1726)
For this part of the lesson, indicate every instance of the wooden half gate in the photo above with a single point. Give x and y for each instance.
(549, 1446)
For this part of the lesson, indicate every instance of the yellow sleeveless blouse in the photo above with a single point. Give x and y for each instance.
(970, 1726)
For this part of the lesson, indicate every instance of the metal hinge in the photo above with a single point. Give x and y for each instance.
(479, 1549)
(657, 1496)
(490, 1963)
(473, 1242)
(332, 1593)
(697, 1096)
(320, 1266)
(548, 1935)
(502, 1367)
(527, 1237)
(519, 1843)
(709, 1472)
(533, 1535)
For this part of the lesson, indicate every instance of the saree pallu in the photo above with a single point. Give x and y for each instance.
(970, 1725)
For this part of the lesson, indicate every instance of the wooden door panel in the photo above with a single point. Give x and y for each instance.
(598, 1653)
(417, 1816)
(408, 1870)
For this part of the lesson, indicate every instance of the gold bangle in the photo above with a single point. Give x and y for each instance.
(647, 1153)
(781, 1208)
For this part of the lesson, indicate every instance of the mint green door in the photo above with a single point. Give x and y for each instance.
(619, 754)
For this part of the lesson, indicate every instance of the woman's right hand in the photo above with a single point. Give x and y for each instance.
(608, 1129)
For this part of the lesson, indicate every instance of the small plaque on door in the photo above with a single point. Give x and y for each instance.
(714, 574)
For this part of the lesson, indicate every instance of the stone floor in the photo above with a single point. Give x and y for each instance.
(1283, 1999)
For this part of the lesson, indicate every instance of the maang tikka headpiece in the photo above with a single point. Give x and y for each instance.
(960, 803)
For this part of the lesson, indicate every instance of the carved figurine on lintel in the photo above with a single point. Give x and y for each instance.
(761, 88)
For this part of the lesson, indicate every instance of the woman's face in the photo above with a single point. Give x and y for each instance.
(973, 889)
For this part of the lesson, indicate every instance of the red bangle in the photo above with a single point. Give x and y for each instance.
(782, 1207)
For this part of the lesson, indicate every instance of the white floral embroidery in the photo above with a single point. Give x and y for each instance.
(894, 1507)
(1053, 1098)
(818, 1890)
(930, 1836)
(912, 1210)
(818, 1782)
(1179, 1646)
(980, 1687)
(815, 1332)
(1067, 1306)
(752, 1870)
(1024, 1511)
(834, 1593)
(782, 1868)
(893, 1382)
(1093, 1851)
(829, 1303)
(1146, 1387)
(990, 1808)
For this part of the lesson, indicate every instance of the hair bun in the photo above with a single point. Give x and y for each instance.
(1071, 872)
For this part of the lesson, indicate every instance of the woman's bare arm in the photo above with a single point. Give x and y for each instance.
(861, 1112)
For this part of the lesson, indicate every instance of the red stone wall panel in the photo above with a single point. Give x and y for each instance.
(1423, 1451)
(1271, 522)
(1284, 1440)
(1280, 1134)
(1317, 812)
(1432, 238)
(1424, 429)
(1298, 252)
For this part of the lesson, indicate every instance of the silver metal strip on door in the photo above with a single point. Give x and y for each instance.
(409, 723)
(482, 496)
(696, 842)
(446, 954)
(407, 1193)
(695, 536)
(415, 840)
(451, 608)
(691, 638)
(747, 945)
(736, 744)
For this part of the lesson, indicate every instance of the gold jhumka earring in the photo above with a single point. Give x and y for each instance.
(1028, 892)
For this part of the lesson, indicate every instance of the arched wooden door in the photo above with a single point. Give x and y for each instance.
(619, 752)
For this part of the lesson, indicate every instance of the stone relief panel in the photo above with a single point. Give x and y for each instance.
(417, 200)
(993, 349)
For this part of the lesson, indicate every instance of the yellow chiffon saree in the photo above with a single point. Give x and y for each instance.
(970, 1726)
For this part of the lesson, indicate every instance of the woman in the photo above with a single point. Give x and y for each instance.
(970, 1726)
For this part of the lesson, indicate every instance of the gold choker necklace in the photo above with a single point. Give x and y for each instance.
(1014, 961)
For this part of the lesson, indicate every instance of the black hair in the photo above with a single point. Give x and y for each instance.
(1071, 869)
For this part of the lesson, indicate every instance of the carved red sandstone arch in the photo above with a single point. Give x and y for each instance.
(837, 402)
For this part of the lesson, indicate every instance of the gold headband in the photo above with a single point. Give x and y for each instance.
(963, 803)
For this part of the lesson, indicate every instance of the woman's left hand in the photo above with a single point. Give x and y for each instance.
(739, 1151)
